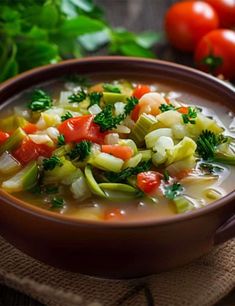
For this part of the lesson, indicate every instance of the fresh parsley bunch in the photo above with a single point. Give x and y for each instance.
(39, 32)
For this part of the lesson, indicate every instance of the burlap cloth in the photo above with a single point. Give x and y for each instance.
(203, 282)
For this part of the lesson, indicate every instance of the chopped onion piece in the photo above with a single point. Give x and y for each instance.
(80, 189)
(111, 139)
(94, 109)
(8, 163)
(64, 97)
(122, 129)
(119, 108)
(41, 139)
(53, 133)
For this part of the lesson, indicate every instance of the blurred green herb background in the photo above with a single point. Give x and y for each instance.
(39, 32)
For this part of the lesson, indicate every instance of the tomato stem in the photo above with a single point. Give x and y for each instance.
(212, 62)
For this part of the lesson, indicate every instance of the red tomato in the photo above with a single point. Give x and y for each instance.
(183, 110)
(188, 21)
(3, 137)
(140, 90)
(29, 151)
(225, 10)
(149, 181)
(114, 214)
(81, 128)
(123, 152)
(215, 53)
(30, 128)
(135, 112)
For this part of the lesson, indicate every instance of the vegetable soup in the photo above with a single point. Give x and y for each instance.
(116, 150)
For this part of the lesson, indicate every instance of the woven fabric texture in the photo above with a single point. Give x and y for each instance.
(203, 282)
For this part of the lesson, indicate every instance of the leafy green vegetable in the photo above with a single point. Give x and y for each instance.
(81, 150)
(210, 168)
(207, 144)
(95, 97)
(166, 176)
(111, 88)
(66, 116)
(122, 176)
(78, 97)
(166, 107)
(190, 116)
(35, 33)
(173, 191)
(107, 121)
(51, 163)
(60, 140)
(57, 202)
(41, 101)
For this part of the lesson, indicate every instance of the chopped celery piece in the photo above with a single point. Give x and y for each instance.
(130, 143)
(8, 124)
(212, 194)
(163, 143)
(119, 192)
(183, 149)
(63, 150)
(169, 118)
(132, 162)
(111, 98)
(71, 178)
(8, 163)
(141, 128)
(146, 155)
(183, 205)
(203, 123)
(13, 141)
(179, 131)
(159, 158)
(93, 186)
(179, 166)
(80, 189)
(59, 172)
(152, 137)
(224, 158)
(23, 180)
(107, 162)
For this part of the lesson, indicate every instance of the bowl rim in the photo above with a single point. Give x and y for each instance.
(60, 218)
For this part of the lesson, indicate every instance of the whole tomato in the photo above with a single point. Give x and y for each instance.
(188, 21)
(225, 10)
(215, 53)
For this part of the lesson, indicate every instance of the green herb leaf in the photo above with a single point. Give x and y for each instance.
(60, 140)
(80, 151)
(95, 98)
(210, 168)
(41, 101)
(77, 97)
(57, 203)
(172, 191)
(66, 116)
(51, 163)
(190, 116)
(166, 107)
(122, 176)
(131, 103)
(111, 88)
(166, 176)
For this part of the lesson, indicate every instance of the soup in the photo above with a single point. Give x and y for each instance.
(118, 150)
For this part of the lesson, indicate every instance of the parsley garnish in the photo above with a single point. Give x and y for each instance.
(57, 202)
(166, 107)
(60, 140)
(66, 116)
(107, 121)
(81, 150)
(95, 97)
(210, 168)
(122, 176)
(40, 101)
(111, 88)
(166, 176)
(207, 143)
(78, 97)
(172, 191)
(51, 163)
(190, 116)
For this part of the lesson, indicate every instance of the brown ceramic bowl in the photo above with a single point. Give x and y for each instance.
(126, 249)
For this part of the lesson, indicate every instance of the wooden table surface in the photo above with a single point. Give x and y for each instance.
(136, 15)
